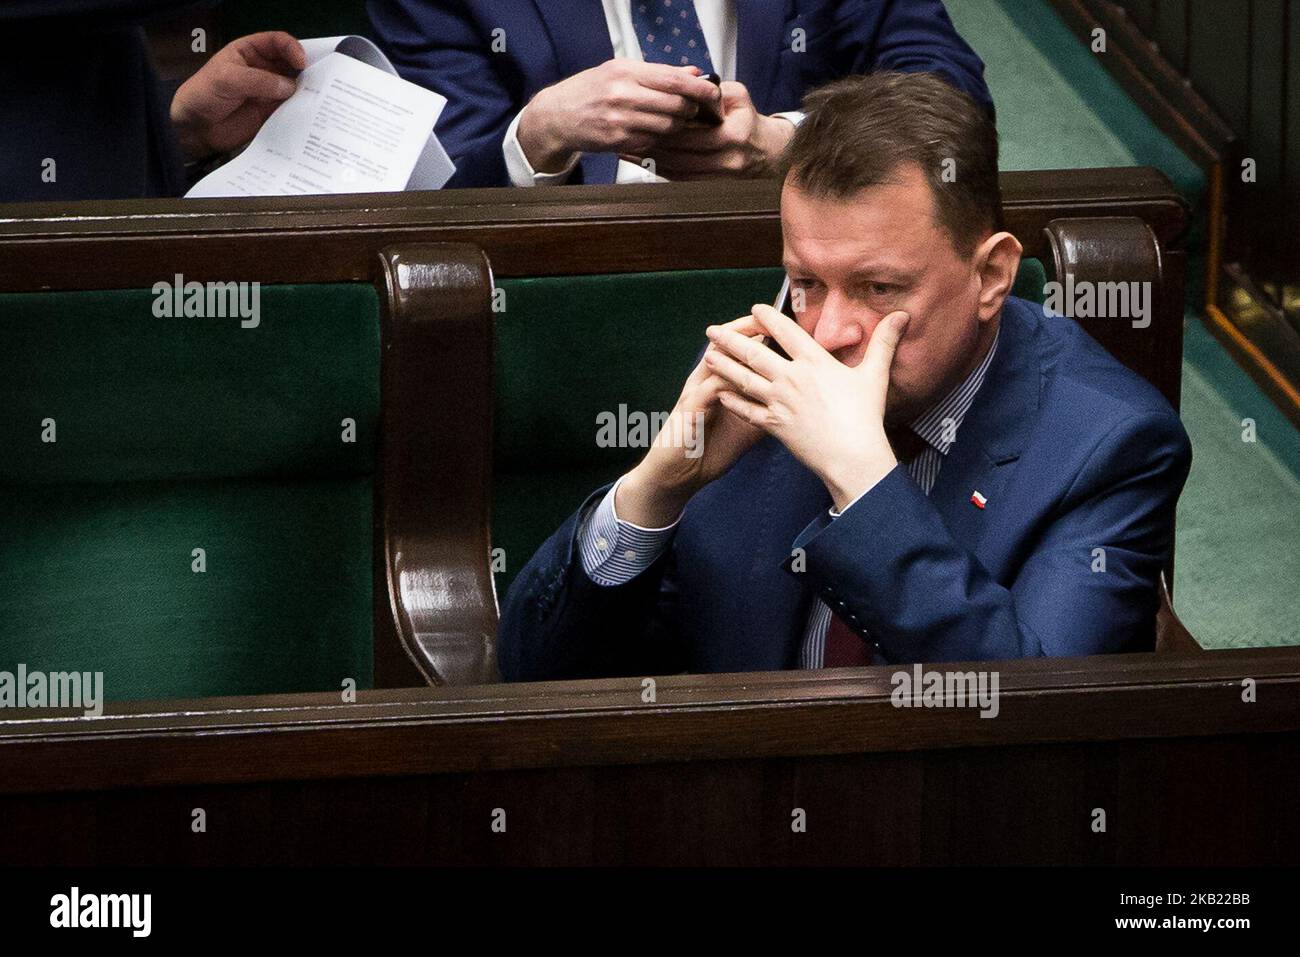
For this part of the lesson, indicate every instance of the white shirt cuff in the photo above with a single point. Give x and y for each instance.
(636, 173)
(615, 551)
(521, 171)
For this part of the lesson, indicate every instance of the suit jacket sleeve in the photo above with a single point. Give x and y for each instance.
(890, 567)
(915, 36)
(439, 45)
(122, 11)
(557, 623)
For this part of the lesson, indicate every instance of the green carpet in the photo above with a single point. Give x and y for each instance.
(1237, 559)
(1058, 108)
(1238, 543)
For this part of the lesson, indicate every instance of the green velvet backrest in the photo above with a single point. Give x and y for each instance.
(176, 434)
(572, 348)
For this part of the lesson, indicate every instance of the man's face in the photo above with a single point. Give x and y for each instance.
(855, 261)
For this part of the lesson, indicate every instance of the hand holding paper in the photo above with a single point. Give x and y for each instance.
(352, 126)
(224, 104)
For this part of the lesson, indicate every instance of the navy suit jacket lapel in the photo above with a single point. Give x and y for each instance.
(994, 432)
(579, 34)
(759, 25)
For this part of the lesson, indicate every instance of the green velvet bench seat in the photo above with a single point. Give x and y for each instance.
(198, 525)
(197, 506)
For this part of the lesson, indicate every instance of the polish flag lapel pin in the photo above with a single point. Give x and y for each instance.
(978, 500)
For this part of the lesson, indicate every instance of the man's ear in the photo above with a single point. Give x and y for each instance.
(997, 260)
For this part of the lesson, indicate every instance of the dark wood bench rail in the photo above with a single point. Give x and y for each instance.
(590, 772)
(574, 230)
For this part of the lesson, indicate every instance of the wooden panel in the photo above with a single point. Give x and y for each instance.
(1155, 85)
(1218, 72)
(710, 772)
(1238, 97)
(1170, 31)
(1260, 225)
(1124, 250)
(1219, 800)
(1142, 13)
(579, 229)
(1219, 55)
(1287, 248)
(432, 526)
(606, 721)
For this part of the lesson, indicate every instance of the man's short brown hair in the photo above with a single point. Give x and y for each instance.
(860, 130)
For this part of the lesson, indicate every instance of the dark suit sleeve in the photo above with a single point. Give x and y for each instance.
(118, 10)
(889, 565)
(912, 36)
(557, 623)
(79, 90)
(438, 45)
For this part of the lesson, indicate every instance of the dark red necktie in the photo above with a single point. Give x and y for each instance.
(845, 648)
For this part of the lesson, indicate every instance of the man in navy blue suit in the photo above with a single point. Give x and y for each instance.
(543, 92)
(929, 469)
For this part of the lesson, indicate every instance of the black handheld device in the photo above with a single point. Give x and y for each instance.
(711, 113)
(784, 306)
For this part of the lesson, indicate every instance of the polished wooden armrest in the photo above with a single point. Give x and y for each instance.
(433, 497)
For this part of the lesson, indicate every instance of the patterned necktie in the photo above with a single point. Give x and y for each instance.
(669, 32)
(845, 648)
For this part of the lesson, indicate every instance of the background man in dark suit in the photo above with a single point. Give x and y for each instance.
(553, 91)
(85, 116)
(933, 471)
